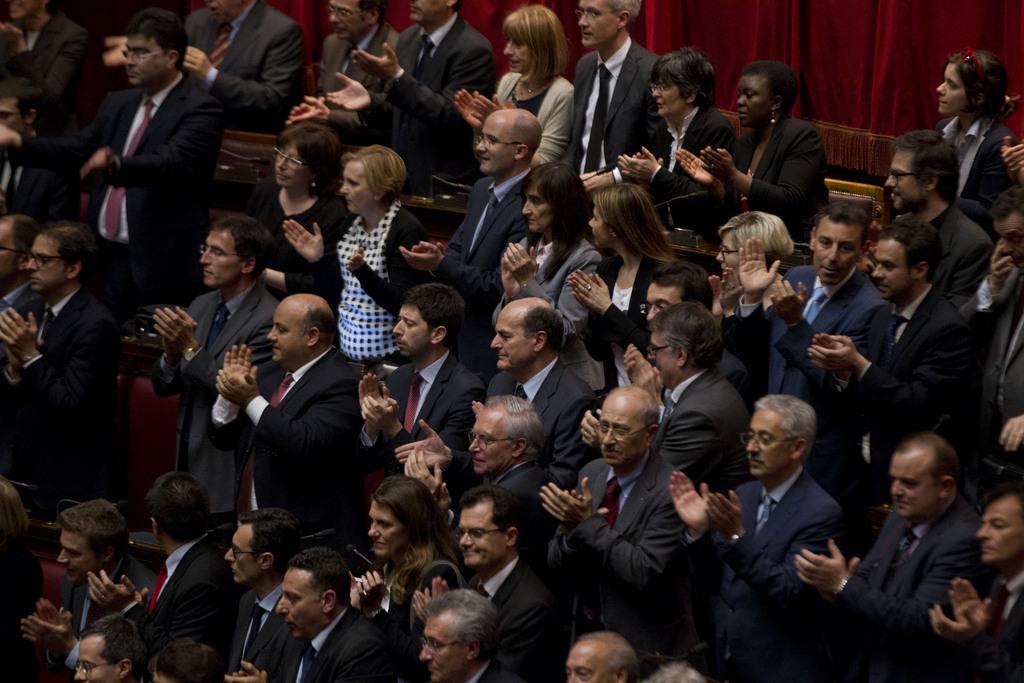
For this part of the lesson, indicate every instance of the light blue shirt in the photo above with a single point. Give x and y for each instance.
(268, 603)
(319, 640)
(212, 74)
(532, 385)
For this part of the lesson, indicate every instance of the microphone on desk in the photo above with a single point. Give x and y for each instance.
(459, 186)
(677, 198)
(262, 161)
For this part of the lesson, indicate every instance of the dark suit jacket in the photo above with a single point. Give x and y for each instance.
(54, 63)
(707, 129)
(1000, 660)
(354, 651)
(22, 578)
(447, 408)
(299, 448)
(72, 595)
(423, 108)
(528, 638)
(260, 77)
(702, 436)
(45, 195)
(561, 401)
(765, 609)
(835, 462)
(536, 526)
(496, 673)
(892, 619)
(196, 384)
(965, 256)
(26, 301)
(640, 567)
(790, 177)
(476, 273)
(632, 113)
(266, 650)
(348, 123)
(197, 602)
(73, 385)
(166, 181)
(988, 176)
(928, 386)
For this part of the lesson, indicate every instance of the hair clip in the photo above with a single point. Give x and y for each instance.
(967, 56)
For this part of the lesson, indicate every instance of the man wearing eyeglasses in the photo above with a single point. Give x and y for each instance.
(238, 311)
(922, 180)
(756, 531)
(358, 25)
(618, 539)
(111, 652)
(153, 149)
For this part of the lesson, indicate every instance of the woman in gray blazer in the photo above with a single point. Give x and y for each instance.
(557, 209)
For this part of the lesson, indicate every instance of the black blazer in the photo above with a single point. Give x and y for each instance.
(929, 385)
(707, 129)
(197, 602)
(299, 448)
(167, 180)
(72, 596)
(45, 195)
(354, 651)
(266, 650)
(965, 256)
(74, 385)
(447, 408)
(528, 633)
(1000, 660)
(790, 178)
(427, 130)
(536, 526)
(476, 272)
(988, 176)
(21, 576)
(891, 618)
(632, 112)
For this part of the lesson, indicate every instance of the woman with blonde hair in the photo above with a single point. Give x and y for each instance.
(21, 584)
(537, 52)
(626, 223)
(373, 275)
(412, 546)
(734, 234)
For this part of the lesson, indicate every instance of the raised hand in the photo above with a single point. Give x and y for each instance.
(177, 331)
(434, 448)
(420, 599)
(425, 256)
(247, 674)
(310, 109)
(352, 95)
(788, 304)
(694, 167)
(825, 572)
(569, 507)
(588, 429)
(837, 354)
(590, 291)
(719, 163)
(641, 373)
(970, 613)
(1000, 267)
(310, 245)
(357, 260)
(49, 626)
(691, 506)
(384, 67)
(639, 167)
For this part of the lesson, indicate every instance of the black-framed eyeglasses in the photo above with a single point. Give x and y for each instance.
(476, 533)
(216, 252)
(434, 645)
(289, 159)
(87, 667)
(899, 174)
(653, 349)
(764, 439)
(486, 440)
(235, 550)
(42, 260)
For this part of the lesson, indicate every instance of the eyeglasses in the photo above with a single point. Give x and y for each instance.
(235, 550)
(87, 667)
(899, 174)
(659, 87)
(137, 55)
(288, 159)
(491, 141)
(763, 439)
(617, 431)
(216, 252)
(342, 12)
(486, 440)
(590, 13)
(724, 251)
(435, 646)
(42, 260)
(477, 533)
(652, 349)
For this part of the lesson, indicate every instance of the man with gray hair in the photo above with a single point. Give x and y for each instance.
(757, 531)
(602, 657)
(460, 640)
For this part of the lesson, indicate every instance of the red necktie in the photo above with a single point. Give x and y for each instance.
(611, 500)
(94, 612)
(220, 46)
(243, 502)
(413, 402)
(995, 623)
(161, 579)
(115, 197)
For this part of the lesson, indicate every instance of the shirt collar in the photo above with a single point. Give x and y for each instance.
(950, 130)
(628, 479)
(429, 373)
(911, 308)
(439, 35)
(615, 62)
(532, 385)
(174, 559)
(59, 306)
(240, 19)
(297, 375)
(678, 135)
(681, 387)
(320, 638)
(364, 44)
(1015, 584)
(269, 601)
(158, 98)
(777, 493)
(235, 302)
(475, 678)
(830, 290)
(493, 584)
(501, 189)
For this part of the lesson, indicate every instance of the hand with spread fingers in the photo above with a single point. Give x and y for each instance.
(827, 573)
(518, 266)
(590, 291)
(384, 67)
(788, 303)
(310, 245)
(436, 452)
(177, 331)
(588, 429)
(690, 505)
(753, 272)
(641, 373)
(247, 674)
(51, 627)
(310, 109)
(569, 507)
(970, 613)
(352, 95)
(114, 597)
(424, 256)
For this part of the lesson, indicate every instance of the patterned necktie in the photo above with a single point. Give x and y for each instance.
(611, 500)
(413, 402)
(115, 196)
(885, 360)
(815, 305)
(428, 48)
(221, 45)
(220, 317)
(596, 142)
(764, 512)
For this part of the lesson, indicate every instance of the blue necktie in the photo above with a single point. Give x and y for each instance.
(307, 662)
(890, 340)
(667, 411)
(220, 317)
(814, 306)
(428, 47)
(764, 512)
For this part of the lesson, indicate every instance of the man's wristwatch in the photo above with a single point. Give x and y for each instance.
(733, 538)
(191, 352)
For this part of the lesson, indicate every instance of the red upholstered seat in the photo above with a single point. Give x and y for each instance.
(150, 437)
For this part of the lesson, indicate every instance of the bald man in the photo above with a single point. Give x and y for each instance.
(300, 412)
(472, 261)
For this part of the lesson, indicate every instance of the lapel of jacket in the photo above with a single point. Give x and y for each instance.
(623, 84)
(54, 333)
(246, 37)
(783, 512)
(1014, 622)
(891, 541)
(434, 394)
(432, 72)
(912, 328)
(584, 85)
(638, 297)
(772, 149)
(235, 320)
(304, 381)
(78, 606)
(266, 635)
(323, 656)
(205, 310)
(1003, 330)
(548, 388)
(166, 116)
(642, 490)
(508, 588)
(182, 569)
(835, 309)
(502, 207)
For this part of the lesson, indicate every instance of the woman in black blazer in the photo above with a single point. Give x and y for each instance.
(683, 85)
(624, 222)
(369, 277)
(779, 166)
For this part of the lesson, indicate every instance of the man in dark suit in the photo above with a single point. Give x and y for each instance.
(249, 56)
(330, 641)
(194, 596)
(764, 608)
(832, 297)
(702, 414)
(154, 149)
(358, 25)
(238, 311)
(62, 369)
(54, 61)
(261, 548)
(927, 541)
(434, 387)
(43, 194)
(614, 110)
(299, 415)
(113, 641)
(472, 260)
(436, 57)
(97, 566)
(916, 373)
(461, 641)
(991, 632)
(489, 532)
(619, 537)
(923, 181)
